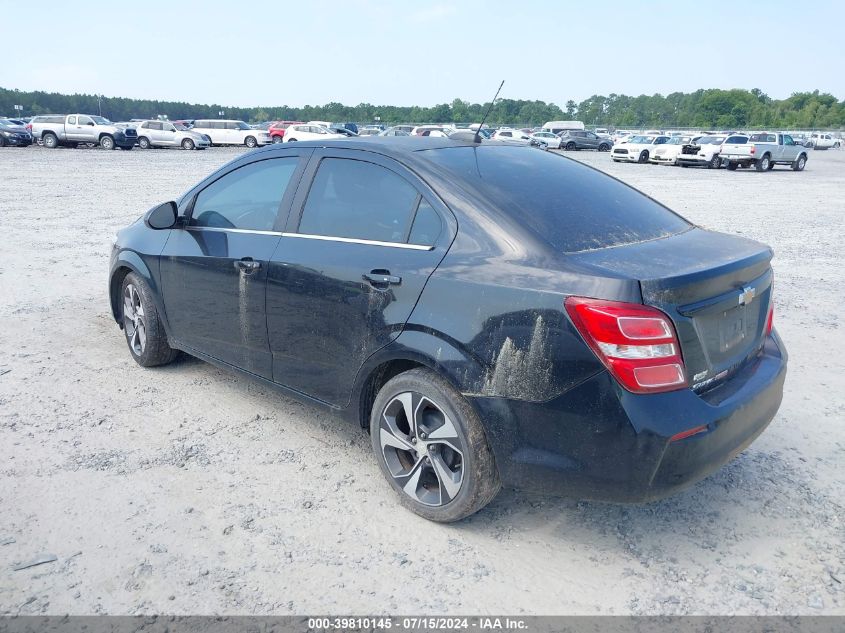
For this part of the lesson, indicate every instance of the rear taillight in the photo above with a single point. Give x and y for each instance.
(770, 318)
(752, 150)
(29, 127)
(636, 343)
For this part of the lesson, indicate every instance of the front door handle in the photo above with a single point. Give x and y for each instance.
(381, 278)
(247, 265)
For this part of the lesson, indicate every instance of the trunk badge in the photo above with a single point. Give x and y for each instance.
(747, 295)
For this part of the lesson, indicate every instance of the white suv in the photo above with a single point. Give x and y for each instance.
(308, 132)
(231, 132)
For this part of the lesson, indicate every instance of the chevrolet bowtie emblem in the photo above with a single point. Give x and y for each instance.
(747, 295)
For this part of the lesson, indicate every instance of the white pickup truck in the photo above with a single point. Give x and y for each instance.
(764, 150)
(72, 129)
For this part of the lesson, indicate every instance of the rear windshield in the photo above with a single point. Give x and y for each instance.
(570, 206)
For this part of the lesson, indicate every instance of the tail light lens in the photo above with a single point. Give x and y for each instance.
(770, 318)
(753, 150)
(636, 343)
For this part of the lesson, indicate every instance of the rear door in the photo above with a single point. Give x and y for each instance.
(363, 237)
(214, 270)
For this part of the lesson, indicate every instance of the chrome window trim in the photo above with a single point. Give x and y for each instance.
(221, 229)
(351, 240)
(308, 236)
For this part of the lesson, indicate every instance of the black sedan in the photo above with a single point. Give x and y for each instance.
(14, 135)
(493, 314)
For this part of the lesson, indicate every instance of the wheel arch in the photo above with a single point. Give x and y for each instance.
(130, 262)
(413, 349)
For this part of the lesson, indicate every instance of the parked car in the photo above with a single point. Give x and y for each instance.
(556, 127)
(667, 154)
(405, 128)
(508, 134)
(547, 139)
(369, 130)
(165, 134)
(309, 133)
(14, 135)
(71, 130)
(637, 148)
(277, 129)
(706, 150)
(231, 132)
(581, 139)
(426, 130)
(343, 131)
(765, 150)
(494, 315)
(394, 131)
(821, 140)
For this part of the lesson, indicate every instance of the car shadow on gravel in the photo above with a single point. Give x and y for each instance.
(756, 493)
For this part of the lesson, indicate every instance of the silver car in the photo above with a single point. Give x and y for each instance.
(166, 134)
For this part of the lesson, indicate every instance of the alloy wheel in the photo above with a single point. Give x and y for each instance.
(134, 320)
(422, 449)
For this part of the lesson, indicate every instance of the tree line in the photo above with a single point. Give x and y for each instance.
(712, 108)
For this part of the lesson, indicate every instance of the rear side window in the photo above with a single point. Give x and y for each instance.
(562, 202)
(360, 200)
(764, 138)
(426, 227)
(246, 198)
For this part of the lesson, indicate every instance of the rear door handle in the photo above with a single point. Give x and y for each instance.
(381, 278)
(247, 265)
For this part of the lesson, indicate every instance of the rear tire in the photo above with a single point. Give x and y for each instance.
(107, 142)
(142, 325)
(570, 146)
(144, 143)
(762, 163)
(250, 142)
(431, 447)
(799, 164)
(732, 166)
(277, 139)
(50, 140)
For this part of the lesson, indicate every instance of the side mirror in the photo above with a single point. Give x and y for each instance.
(163, 216)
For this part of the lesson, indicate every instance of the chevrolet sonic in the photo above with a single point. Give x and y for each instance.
(494, 315)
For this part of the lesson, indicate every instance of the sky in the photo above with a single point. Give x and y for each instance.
(424, 52)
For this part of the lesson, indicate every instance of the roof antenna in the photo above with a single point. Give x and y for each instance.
(477, 137)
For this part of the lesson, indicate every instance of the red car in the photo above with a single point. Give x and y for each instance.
(277, 130)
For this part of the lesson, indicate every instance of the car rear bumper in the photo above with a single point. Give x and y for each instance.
(693, 160)
(599, 441)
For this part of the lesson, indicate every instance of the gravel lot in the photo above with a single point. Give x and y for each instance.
(188, 490)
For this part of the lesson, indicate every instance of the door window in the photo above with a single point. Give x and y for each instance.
(155, 125)
(246, 198)
(359, 200)
(85, 120)
(71, 120)
(426, 227)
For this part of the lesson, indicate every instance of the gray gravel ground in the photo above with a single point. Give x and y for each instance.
(188, 490)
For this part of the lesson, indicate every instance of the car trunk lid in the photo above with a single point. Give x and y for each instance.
(716, 288)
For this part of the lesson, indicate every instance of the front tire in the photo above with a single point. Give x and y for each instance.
(431, 447)
(715, 162)
(278, 139)
(142, 325)
(643, 157)
(291, 140)
(144, 143)
(799, 164)
(107, 142)
(50, 140)
(187, 144)
(250, 142)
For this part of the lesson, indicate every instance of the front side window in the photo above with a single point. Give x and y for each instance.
(787, 140)
(246, 198)
(84, 120)
(359, 200)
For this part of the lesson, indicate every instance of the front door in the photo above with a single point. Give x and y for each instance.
(362, 240)
(214, 270)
